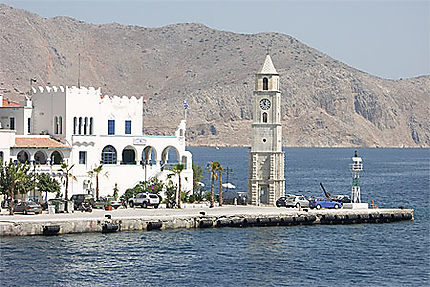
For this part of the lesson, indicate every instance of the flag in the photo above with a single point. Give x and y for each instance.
(186, 106)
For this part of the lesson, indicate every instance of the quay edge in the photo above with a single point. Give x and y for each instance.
(284, 217)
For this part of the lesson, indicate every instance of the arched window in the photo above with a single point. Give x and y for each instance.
(91, 126)
(55, 125)
(265, 84)
(109, 155)
(60, 124)
(85, 125)
(23, 157)
(39, 157)
(264, 117)
(149, 155)
(75, 122)
(80, 126)
(128, 155)
(56, 158)
(181, 132)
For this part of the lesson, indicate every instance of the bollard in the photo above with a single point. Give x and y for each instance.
(153, 225)
(206, 223)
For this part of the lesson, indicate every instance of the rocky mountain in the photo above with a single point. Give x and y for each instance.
(325, 102)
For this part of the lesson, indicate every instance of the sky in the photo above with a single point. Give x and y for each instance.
(389, 39)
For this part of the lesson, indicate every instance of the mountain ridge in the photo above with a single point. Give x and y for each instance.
(325, 102)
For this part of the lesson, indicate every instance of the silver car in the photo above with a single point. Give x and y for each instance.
(27, 207)
(297, 201)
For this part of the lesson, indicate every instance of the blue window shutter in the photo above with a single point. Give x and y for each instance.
(111, 127)
(127, 127)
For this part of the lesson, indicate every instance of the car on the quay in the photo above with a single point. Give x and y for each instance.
(78, 199)
(296, 201)
(107, 201)
(144, 200)
(319, 203)
(27, 207)
(341, 198)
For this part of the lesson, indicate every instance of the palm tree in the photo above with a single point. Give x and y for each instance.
(96, 172)
(13, 176)
(177, 169)
(220, 169)
(66, 174)
(213, 167)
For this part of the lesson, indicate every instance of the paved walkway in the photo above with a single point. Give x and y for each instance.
(163, 213)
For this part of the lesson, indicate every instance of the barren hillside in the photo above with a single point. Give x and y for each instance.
(325, 102)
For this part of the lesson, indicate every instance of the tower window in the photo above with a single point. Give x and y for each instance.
(85, 125)
(55, 125)
(264, 117)
(91, 126)
(60, 125)
(265, 84)
(75, 122)
(29, 125)
(80, 126)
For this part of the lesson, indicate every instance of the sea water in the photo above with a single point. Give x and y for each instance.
(393, 254)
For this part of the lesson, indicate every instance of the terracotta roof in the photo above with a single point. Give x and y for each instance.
(38, 143)
(9, 103)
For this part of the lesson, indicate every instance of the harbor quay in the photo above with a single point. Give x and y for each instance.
(192, 216)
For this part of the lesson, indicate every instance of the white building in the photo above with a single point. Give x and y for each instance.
(83, 127)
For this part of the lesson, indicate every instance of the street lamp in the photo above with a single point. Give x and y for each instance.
(228, 170)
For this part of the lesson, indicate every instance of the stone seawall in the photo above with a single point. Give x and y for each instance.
(201, 218)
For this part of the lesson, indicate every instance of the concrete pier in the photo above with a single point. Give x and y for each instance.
(190, 217)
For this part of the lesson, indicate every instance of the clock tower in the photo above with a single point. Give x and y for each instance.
(266, 159)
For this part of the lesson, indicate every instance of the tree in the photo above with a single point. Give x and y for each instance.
(177, 169)
(65, 176)
(96, 172)
(212, 167)
(13, 177)
(48, 184)
(197, 176)
(220, 169)
(115, 191)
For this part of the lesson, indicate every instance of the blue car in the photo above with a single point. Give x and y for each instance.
(319, 203)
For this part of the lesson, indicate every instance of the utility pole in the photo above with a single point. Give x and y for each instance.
(228, 170)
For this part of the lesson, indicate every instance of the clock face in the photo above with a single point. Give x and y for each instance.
(265, 104)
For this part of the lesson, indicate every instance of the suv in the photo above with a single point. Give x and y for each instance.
(296, 201)
(145, 200)
(78, 199)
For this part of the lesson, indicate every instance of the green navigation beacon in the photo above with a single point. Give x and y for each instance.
(356, 167)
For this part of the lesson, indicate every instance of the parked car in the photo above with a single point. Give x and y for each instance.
(106, 201)
(27, 207)
(341, 198)
(296, 201)
(78, 199)
(319, 203)
(282, 201)
(144, 200)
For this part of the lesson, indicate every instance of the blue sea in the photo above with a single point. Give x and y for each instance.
(394, 254)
